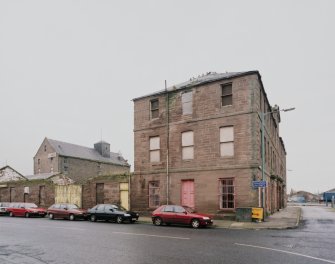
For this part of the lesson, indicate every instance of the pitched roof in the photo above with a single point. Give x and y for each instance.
(76, 151)
(41, 176)
(200, 80)
(331, 191)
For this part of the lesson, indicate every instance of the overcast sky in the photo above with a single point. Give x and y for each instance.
(69, 70)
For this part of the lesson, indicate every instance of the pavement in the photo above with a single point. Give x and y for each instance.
(286, 218)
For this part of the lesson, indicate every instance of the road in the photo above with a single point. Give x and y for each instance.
(36, 241)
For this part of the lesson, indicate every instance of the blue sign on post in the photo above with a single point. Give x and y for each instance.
(258, 184)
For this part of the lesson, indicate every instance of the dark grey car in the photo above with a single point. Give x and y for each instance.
(111, 212)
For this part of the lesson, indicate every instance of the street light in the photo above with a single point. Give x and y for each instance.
(262, 115)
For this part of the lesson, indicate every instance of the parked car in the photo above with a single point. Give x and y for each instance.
(112, 212)
(25, 209)
(66, 211)
(3, 208)
(183, 215)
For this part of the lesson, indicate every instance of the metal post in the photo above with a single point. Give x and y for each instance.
(167, 145)
(263, 159)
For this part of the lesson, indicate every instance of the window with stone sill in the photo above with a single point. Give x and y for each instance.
(154, 194)
(186, 99)
(154, 109)
(187, 144)
(227, 141)
(227, 193)
(226, 94)
(154, 147)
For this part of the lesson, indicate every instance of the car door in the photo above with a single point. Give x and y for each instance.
(20, 210)
(167, 214)
(180, 215)
(55, 210)
(109, 212)
(63, 211)
(99, 212)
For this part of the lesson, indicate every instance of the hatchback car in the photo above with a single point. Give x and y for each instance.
(112, 212)
(66, 211)
(25, 209)
(182, 215)
(3, 208)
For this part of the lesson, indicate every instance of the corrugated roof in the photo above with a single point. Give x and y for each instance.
(76, 151)
(201, 79)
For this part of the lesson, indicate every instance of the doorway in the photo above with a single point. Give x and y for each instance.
(187, 193)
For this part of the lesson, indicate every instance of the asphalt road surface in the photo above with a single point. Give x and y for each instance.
(36, 241)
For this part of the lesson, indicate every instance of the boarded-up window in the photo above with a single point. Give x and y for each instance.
(41, 195)
(154, 149)
(186, 99)
(227, 193)
(154, 108)
(227, 94)
(227, 141)
(187, 144)
(100, 195)
(154, 199)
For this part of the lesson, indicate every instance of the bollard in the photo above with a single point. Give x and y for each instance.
(333, 198)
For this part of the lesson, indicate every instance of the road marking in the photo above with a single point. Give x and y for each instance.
(135, 234)
(46, 226)
(287, 252)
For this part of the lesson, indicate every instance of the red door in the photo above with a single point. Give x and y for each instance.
(187, 193)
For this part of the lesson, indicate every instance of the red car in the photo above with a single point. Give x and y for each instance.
(176, 214)
(25, 209)
(66, 211)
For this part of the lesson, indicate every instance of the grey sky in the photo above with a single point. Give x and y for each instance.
(69, 69)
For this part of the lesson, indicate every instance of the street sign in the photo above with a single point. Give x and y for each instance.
(258, 184)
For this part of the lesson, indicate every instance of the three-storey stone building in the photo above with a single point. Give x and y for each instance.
(199, 144)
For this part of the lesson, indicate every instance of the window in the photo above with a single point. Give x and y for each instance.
(154, 194)
(169, 208)
(227, 94)
(187, 144)
(186, 100)
(154, 149)
(227, 141)
(179, 209)
(154, 108)
(38, 161)
(45, 147)
(227, 194)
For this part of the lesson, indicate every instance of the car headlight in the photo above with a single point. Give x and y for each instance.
(205, 218)
(136, 214)
(126, 215)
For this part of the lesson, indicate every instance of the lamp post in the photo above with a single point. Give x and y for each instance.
(262, 115)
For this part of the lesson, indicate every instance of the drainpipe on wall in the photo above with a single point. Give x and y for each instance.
(167, 144)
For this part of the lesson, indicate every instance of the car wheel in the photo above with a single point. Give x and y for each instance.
(158, 221)
(195, 223)
(119, 219)
(71, 217)
(93, 218)
(11, 214)
(26, 215)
